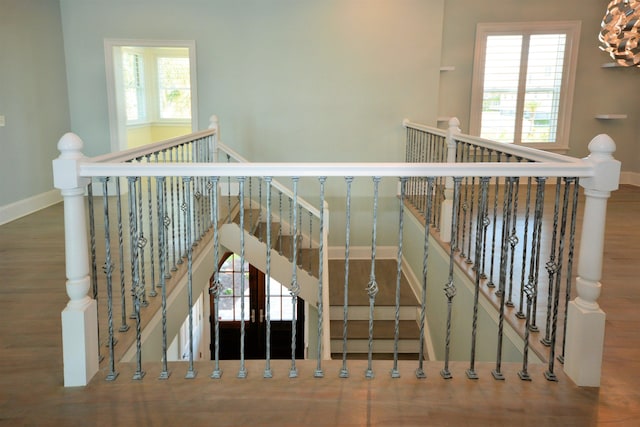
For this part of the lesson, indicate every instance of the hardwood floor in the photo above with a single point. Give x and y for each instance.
(32, 296)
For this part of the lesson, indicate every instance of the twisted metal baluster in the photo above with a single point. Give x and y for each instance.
(524, 373)
(242, 372)
(513, 241)
(174, 200)
(506, 222)
(184, 240)
(108, 270)
(450, 287)
(166, 222)
(295, 287)
(152, 292)
(473, 189)
(372, 288)
(535, 253)
(344, 372)
(94, 269)
(552, 267)
(142, 242)
(123, 300)
(318, 372)
(423, 302)
(186, 208)
(250, 229)
(465, 205)
(520, 314)
(549, 374)
(310, 242)
(396, 330)
(572, 236)
(135, 274)
(216, 286)
(482, 207)
(495, 227)
(267, 369)
(162, 260)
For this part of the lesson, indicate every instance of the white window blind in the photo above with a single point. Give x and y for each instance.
(523, 82)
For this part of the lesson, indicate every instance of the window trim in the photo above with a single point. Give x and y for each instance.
(572, 31)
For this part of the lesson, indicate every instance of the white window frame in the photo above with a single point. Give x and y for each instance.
(572, 31)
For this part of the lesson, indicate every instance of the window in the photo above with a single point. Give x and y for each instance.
(523, 82)
(174, 91)
(133, 77)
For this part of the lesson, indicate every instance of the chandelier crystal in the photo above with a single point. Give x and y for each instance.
(620, 32)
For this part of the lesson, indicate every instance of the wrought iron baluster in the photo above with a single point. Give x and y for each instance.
(108, 270)
(186, 208)
(94, 269)
(344, 372)
(242, 372)
(162, 261)
(550, 374)
(184, 239)
(267, 369)
(423, 300)
(506, 221)
(395, 373)
(520, 314)
(450, 287)
(174, 223)
(295, 287)
(492, 258)
(142, 243)
(228, 193)
(280, 222)
(479, 244)
(318, 373)
(372, 287)
(535, 252)
(152, 292)
(552, 266)
(216, 285)
(471, 205)
(465, 204)
(513, 240)
(123, 300)
(572, 236)
(135, 273)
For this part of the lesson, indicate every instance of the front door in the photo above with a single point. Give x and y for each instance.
(230, 314)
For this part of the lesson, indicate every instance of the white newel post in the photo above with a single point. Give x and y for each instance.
(79, 318)
(214, 124)
(447, 204)
(585, 319)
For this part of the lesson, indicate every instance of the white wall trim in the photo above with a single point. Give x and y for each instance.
(630, 178)
(28, 206)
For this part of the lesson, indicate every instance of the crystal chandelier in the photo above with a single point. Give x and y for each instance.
(620, 32)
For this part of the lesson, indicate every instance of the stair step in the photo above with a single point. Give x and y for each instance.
(376, 356)
(379, 346)
(359, 272)
(361, 312)
(382, 329)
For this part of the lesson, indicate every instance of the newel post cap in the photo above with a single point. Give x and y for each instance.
(65, 167)
(606, 175)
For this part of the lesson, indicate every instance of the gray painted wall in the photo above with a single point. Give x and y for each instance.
(33, 96)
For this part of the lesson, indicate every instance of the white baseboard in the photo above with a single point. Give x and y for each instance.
(630, 178)
(29, 205)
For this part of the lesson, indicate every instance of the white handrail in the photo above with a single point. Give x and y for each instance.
(512, 149)
(493, 169)
(137, 152)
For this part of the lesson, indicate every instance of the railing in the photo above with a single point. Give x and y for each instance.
(454, 196)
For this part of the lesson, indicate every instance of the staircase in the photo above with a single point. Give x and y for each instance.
(358, 308)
